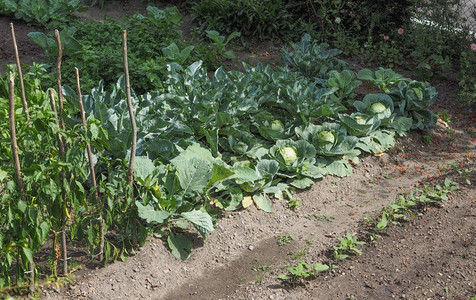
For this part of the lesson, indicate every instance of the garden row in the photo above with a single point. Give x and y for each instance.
(201, 145)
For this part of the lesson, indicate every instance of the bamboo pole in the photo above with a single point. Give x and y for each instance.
(130, 173)
(62, 152)
(58, 78)
(91, 168)
(16, 159)
(20, 74)
(63, 127)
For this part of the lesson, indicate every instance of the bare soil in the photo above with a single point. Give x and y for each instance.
(433, 256)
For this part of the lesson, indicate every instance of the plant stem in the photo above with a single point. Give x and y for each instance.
(64, 249)
(20, 74)
(91, 168)
(16, 159)
(130, 174)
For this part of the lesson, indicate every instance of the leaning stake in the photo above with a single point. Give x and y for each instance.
(20, 74)
(91, 168)
(16, 159)
(130, 173)
(64, 248)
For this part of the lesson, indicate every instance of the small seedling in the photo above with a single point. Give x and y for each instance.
(321, 217)
(428, 139)
(302, 271)
(443, 115)
(347, 246)
(299, 254)
(294, 203)
(260, 268)
(283, 239)
(465, 175)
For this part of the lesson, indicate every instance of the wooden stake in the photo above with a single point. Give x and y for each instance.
(63, 127)
(16, 159)
(58, 78)
(64, 248)
(20, 74)
(130, 174)
(91, 168)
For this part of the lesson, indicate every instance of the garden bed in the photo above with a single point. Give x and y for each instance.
(430, 256)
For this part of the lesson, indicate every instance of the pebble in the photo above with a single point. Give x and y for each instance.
(251, 247)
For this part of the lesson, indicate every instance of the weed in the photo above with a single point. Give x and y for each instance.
(284, 239)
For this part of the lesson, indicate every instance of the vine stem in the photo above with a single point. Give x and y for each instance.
(20, 74)
(130, 174)
(16, 159)
(91, 167)
(64, 249)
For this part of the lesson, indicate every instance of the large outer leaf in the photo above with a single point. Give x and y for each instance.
(180, 246)
(193, 174)
(150, 215)
(194, 168)
(143, 167)
(263, 203)
(201, 220)
(302, 183)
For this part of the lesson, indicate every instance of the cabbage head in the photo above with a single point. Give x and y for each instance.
(380, 106)
(329, 139)
(288, 154)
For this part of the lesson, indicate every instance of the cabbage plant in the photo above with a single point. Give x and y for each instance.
(296, 161)
(378, 105)
(329, 139)
(384, 79)
(359, 124)
(412, 100)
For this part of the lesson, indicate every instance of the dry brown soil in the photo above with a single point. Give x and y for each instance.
(433, 256)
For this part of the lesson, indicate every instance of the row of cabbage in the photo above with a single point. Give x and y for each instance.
(244, 138)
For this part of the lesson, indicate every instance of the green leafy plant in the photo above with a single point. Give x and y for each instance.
(312, 58)
(44, 12)
(95, 48)
(467, 74)
(384, 79)
(219, 44)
